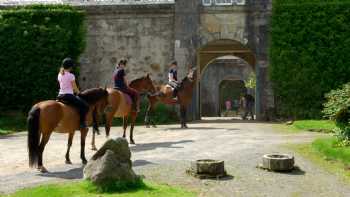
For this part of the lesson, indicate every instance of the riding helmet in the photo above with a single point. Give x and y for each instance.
(67, 63)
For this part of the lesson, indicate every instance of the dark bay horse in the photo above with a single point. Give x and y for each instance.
(119, 105)
(184, 96)
(48, 116)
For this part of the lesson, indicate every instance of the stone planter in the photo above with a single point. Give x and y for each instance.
(207, 168)
(278, 162)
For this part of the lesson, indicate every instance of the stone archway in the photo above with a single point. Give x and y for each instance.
(214, 50)
(227, 68)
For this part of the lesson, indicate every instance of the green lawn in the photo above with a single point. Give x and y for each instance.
(325, 126)
(82, 189)
(328, 147)
(314, 125)
(323, 152)
(10, 123)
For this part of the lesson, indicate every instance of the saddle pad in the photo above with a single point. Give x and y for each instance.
(127, 98)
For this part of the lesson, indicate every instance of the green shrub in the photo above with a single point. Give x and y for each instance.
(34, 40)
(337, 108)
(309, 53)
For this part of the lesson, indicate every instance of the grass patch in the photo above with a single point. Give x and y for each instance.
(12, 122)
(85, 189)
(328, 147)
(314, 125)
(322, 152)
(324, 126)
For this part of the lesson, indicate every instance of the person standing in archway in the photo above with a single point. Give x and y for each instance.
(248, 106)
(172, 75)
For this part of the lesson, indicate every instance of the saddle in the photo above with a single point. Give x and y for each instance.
(126, 96)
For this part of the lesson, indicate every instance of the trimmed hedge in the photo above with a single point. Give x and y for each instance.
(309, 53)
(34, 40)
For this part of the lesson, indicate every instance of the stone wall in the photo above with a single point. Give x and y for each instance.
(152, 35)
(143, 34)
(220, 22)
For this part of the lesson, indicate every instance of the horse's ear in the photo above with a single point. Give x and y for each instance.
(105, 88)
(147, 75)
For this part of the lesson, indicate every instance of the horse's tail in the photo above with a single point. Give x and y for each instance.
(33, 135)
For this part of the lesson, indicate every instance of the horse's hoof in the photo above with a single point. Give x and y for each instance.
(68, 162)
(42, 169)
(154, 126)
(84, 161)
(147, 126)
(123, 136)
(132, 141)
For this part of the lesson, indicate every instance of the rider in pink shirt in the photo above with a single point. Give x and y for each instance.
(67, 87)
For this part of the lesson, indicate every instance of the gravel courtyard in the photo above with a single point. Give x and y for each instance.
(162, 155)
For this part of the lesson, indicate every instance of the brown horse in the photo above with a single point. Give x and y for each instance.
(48, 116)
(120, 106)
(184, 96)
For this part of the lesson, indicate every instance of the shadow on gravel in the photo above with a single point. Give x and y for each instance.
(295, 171)
(151, 146)
(137, 163)
(9, 136)
(202, 128)
(228, 121)
(75, 173)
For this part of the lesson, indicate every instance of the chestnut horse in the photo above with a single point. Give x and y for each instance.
(48, 116)
(119, 105)
(184, 96)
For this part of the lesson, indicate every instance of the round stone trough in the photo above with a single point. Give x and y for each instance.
(207, 168)
(278, 162)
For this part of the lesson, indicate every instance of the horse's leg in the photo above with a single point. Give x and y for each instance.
(133, 119)
(82, 144)
(95, 123)
(125, 125)
(183, 116)
(44, 139)
(147, 117)
(93, 145)
(70, 139)
(153, 103)
(108, 123)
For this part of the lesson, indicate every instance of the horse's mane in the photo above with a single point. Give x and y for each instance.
(137, 80)
(91, 96)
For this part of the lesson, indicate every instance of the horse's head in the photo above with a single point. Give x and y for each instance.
(192, 74)
(96, 98)
(144, 84)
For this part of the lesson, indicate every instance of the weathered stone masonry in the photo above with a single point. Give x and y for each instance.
(152, 35)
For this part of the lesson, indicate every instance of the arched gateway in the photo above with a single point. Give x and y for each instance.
(217, 61)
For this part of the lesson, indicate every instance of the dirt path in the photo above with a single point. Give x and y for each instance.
(163, 154)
